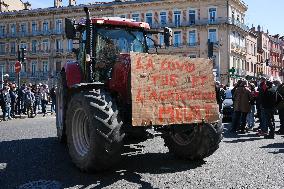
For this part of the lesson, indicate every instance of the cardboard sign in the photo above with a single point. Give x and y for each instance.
(170, 89)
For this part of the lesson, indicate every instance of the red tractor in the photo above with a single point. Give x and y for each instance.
(94, 97)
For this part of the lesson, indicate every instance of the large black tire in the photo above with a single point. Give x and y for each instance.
(61, 106)
(94, 135)
(198, 142)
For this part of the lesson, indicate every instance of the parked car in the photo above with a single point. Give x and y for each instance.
(228, 105)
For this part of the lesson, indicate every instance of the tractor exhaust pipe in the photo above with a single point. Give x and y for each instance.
(89, 39)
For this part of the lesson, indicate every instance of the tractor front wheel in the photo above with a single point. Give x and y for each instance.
(94, 136)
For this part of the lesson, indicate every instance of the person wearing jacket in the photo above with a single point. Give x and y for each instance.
(44, 98)
(280, 107)
(6, 103)
(268, 102)
(14, 96)
(242, 97)
(250, 116)
(29, 99)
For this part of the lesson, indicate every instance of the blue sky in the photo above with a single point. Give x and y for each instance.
(267, 13)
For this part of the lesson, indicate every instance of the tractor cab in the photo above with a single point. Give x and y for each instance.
(105, 41)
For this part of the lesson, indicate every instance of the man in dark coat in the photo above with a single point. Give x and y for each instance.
(280, 107)
(268, 103)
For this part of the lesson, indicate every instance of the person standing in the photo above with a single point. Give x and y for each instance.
(280, 107)
(53, 99)
(44, 98)
(261, 89)
(220, 95)
(242, 97)
(250, 116)
(13, 95)
(268, 102)
(29, 99)
(6, 103)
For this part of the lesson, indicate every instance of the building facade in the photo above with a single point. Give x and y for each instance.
(194, 22)
(275, 61)
(251, 55)
(263, 50)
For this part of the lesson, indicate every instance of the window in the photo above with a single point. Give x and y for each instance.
(150, 43)
(45, 26)
(161, 39)
(149, 18)
(177, 18)
(2, 30)
(58, 26)
(59, 45)
(34, 63)
(192, 56)
(212, 15)
(2, 48)
(177, 38)
(45, 66)
(34, 27)
(23, 45)
(13, 29)
(163, 18)
(191, 17)
(192, 38)
(135, 17)
(70, 45)
(122, 16)
(212, 35)
(34, 45)
(13, 47)
(12, 67)
(23, 28)
(45, 45)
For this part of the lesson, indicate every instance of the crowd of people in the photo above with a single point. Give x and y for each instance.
(27, 99)
(262, 99)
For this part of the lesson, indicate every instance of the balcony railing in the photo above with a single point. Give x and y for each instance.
(32, 34)
(193, 44)
(205, 21)
(40, 75)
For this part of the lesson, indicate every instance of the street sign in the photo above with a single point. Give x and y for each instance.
(18, 66)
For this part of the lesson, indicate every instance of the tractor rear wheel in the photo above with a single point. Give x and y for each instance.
(196, 143)
(61, 98)
(94, 136)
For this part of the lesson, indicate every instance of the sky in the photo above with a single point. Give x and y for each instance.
(266, 13)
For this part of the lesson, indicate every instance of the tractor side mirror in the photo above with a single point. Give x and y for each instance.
(70, 30)
(168, 35)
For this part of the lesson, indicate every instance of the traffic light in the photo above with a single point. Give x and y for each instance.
(210, 49)
(168, 34)
(23, 54)
(267, 62)
(232, 71)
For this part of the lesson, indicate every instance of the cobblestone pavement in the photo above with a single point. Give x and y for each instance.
(31, 157)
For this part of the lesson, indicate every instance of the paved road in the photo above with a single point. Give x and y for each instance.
(29, 152)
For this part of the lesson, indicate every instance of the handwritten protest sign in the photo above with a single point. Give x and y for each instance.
(169, 89)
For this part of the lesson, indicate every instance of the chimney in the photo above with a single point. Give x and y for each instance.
(72, 2)
(258, 28)
(57, 3)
